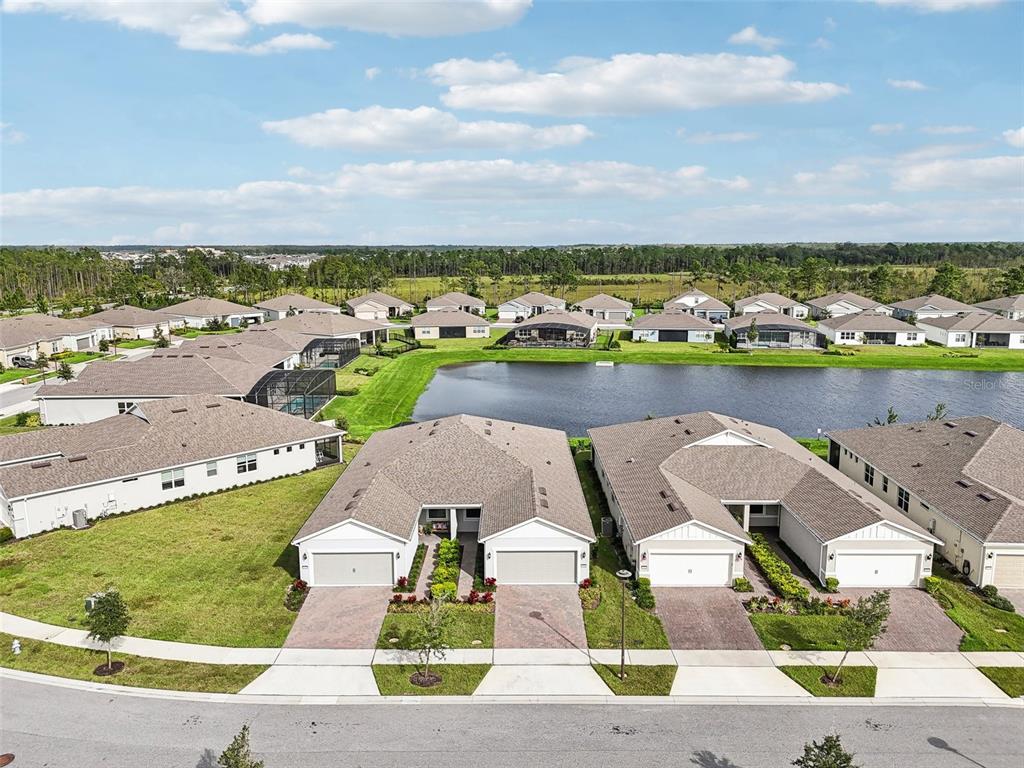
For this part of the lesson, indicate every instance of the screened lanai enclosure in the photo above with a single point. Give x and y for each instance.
(330, 353)
(300, 392)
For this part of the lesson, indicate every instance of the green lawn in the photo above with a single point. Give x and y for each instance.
(977, 619)
(603, 624)
(390, 396)
(17, 374)
(1009, 679)
(139, 672)
(856, 681)
(470, 624)
(193, 333)
(800, 633)
(817, 446)
(456, 679)
(211, 570)
(9, 424)
(641, 680)
(134, 343)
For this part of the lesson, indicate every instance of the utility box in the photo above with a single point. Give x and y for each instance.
(79, 519)
(608, 527)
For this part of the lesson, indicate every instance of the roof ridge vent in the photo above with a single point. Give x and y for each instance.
(964, 483)
(986, 496)
(672, 507)
(952, 424)
(970, 433)
(179, 410)
(39, 464)
(79, 457)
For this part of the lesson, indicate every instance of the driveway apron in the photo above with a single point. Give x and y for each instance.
(710, 618)
(340, 617)
(539, 617)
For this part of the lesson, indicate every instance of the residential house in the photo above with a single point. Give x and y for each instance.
(378, 306)
(773, 330)
(870, 327)
(955, 478)
(772, 302)
(239, 347)
(845, 303)
(294, 304)
(203, 311)
(528, 305)
(974, 329)
(511, 487)
(933, 305)
(606, 308)
(450, 323)
(673, 325)
(153, 453)
(554, 328)
(700, 305)
(685, 491)
(128, 322)
(457, 300)
(36, 334)
(1010, 307)
(328, 326)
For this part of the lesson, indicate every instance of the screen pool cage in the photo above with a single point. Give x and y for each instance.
(300, 392)
(330, 353)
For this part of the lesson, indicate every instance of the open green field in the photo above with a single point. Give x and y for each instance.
(388, 397)
(139, 672)
(211, 570)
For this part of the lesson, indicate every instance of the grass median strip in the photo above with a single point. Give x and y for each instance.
(799, 633)
(1009, 679)
(641, 680)
(985, 627)
(854, 681)
(456, 679)
(139, 672)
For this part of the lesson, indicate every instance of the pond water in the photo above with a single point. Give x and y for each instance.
(576, 396)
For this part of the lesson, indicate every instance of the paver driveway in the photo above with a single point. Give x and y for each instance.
(711, 618)
(916, 622)
(340, 617)
(539, 617)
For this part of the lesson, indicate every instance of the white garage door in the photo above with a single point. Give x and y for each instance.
(689, 569)
(1009, 572)
(537, 567)
(896, 570)
(337, 569)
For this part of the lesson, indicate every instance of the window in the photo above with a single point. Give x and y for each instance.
(172, 478)
(847, 335)
(911, 337)
(211, 469)
(903, 499)
(246, 463)
(289, 449)
(472, 514)
(885, 484)
(869, 474)
(277, 451)
(302, 446)
(124, 406)
(960, 338)
(437, 514)
(757, 509)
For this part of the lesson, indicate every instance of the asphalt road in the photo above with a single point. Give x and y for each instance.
(51, 726)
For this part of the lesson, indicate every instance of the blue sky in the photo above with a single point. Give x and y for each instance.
(502, 121)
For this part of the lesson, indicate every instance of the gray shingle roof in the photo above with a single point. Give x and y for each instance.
(536, 299)
(128, 316)
(775, 299)
(948, 464)
(236, 347)
(455, 299)
(824, 302)
(324, 324)
(157, 435)
(384, 299)
(560, 317)
(23, 330)
(604, 301)
(1004, 304)
(706, 302)
(515, 472)
(940, 302)
(448, 317)
(643, 459)
(977, 321)
(673, 320)
(204, 306)
(767, 320)
(867, 321)
(294, 301)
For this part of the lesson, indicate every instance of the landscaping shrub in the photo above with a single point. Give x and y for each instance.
(444, 590)
(296, 595)
(347, 392)
(413, 578)
(989, 591)
(449, 552)
(590, 595)
(487, 597)
(931, 584)
(831, 584)
(742, 585)
(644, 595)
(445, 573)
(778, 574)
(1000, 602)
(6, 534)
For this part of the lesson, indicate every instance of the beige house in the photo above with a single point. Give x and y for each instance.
(203, 310)
(701, 305)
(870, 327)
(684, 491)
(28, 336)
(606, 308)
(960, 479)
(673, 325)
(772, 302)
(378, 306)
(1010, 307)
(974, 329)
(294, 303)
(845, 303)
(457, 300)
(450, 323)
(933, 305)
(130, 322)
(554, 328)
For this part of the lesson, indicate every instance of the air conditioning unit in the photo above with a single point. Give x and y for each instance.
(79, 519)
(608, 527)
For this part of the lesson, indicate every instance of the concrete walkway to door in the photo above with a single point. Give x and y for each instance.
(539, 617)
(340, 617)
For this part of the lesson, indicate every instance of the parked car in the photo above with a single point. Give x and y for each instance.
(23, 361)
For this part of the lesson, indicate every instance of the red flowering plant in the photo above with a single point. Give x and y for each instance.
(487, 597)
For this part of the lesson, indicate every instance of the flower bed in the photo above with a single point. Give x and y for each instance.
(444, 581)
(408, 583)
(776, 571)
(405, 605)
(814, 606)
(590, 595)
(295, 595)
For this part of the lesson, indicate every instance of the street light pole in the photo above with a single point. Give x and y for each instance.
(623, 577)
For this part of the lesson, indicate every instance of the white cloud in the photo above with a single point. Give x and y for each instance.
(884, 129)
(710, 137)
(908, 85)
(839, 174)
(948, 130)
(371, 73)
(420, 129)
(980, 173)
(822, 43)
(830, 24)
(1014, 137)
(750, 36)
(407, 18)
(10, 135)
(290, 42)
(939, 6)
(628, 84)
